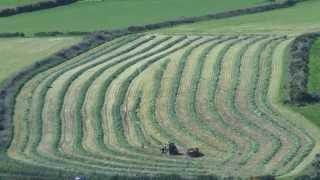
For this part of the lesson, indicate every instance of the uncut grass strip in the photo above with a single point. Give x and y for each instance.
(84, 79)
(294, 121)
(185, 102)
(246, 69)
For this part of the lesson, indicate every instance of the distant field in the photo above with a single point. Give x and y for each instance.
(13, 3)
(18, 53)
(301, 18)
(112, 14)
(314, 68)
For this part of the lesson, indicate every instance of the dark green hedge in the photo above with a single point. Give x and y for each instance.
(298, 70)
(34, 7)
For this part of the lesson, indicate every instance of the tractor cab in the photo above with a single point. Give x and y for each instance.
(170, 149)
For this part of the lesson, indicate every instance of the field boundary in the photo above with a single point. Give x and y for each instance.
(42, 5)
(168, 23)
(298, 69)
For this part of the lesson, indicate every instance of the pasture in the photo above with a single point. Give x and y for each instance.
(17, 53)
(304, 17)
(13, 3)
(114, 14)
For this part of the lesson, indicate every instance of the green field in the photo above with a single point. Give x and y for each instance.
(314, 68)
(217, 85)
(113, 14)
(304, 17)
(13, 3)
(18, 53)
(154, 89)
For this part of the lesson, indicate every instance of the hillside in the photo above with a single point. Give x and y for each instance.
(109, 107)
(132, 79)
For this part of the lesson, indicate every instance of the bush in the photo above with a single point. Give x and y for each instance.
(16, 34)
(298, 69)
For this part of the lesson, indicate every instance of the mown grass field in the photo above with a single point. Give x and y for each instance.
(113, 14)
(108, 110)
(17, 53)
(217, 85)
